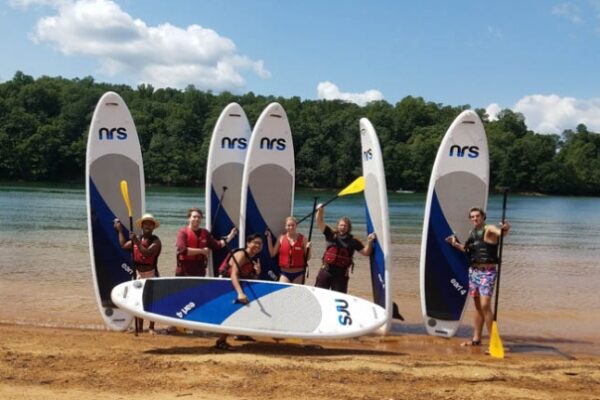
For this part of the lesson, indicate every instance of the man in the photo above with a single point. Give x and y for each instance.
(482, 249)
(194, 245)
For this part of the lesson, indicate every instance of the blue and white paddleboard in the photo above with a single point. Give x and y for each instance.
(377, 217)
(224, 170)
(275, 309)
(267, 196)
(113, 155)
(459, 181)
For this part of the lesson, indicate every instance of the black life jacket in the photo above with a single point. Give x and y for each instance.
(478, 251)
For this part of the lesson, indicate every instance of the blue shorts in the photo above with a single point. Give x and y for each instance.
(481, 281)
(291, 275)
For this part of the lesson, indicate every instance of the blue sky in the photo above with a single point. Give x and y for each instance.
(540, 58)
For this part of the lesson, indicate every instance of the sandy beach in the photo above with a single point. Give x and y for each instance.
(59, 363)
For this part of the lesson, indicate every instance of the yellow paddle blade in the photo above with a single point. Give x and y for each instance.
(496, 347)
(125, 193)
(355, 187)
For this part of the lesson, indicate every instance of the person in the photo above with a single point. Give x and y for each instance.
(194, 245)
(241, 264)
(482, 250)
(339, 251)
(146, 250)
(293, 250)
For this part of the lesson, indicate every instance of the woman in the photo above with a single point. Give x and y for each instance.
(293, 250)
(339, 251)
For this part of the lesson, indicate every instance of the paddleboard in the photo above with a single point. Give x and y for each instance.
(459, 181)
(267, 196)
(113, 154)
(376, 206)
(275, 309)
(224, 168)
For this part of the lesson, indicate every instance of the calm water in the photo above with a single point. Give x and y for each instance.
(549, 285)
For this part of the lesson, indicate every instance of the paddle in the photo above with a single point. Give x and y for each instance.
(496, 347)
(214, 218)
(312, 220)
(125, 193)
(357, 186)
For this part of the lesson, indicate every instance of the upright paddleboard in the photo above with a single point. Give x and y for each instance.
(224, 169)
(376, 205)
(113, 155)
(267, 196)
(275, 309)
(459, 181)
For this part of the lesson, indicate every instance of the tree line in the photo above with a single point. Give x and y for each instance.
(44, 125)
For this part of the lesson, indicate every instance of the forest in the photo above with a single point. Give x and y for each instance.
(44, 125)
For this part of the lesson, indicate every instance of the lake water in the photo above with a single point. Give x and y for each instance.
(550, 273)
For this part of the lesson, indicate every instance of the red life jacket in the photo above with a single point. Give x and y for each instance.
(196, 242)
(139, 258)
(339, 255)
(292, 256)
(246, 270)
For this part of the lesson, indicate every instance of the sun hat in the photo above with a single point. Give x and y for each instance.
(147, 217)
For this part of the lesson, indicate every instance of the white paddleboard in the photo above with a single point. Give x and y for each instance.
(275, 309)
(225, 165)
(459, 181)
(113, 154)
(377, 217)
(267, 196)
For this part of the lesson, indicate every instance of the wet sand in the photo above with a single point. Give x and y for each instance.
(60, 363)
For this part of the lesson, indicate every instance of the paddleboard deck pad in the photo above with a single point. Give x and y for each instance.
(274, 309)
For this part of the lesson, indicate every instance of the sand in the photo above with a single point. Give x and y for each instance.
(58, 363)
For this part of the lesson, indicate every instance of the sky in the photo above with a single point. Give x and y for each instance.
(537, 57)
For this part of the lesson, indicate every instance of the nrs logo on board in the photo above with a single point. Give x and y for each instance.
(461, 151)
(343, 313)
(272, 144)
(232, 143)
(368, 155)
(113, 133)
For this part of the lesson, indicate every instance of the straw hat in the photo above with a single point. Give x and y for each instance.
(147, 217)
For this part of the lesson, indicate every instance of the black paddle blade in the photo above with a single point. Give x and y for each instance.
(396, 312)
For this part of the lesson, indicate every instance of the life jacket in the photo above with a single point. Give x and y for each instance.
(292, 256)
(141, 260)
(478, 250)
(246, 270)
(339, 252)
(196, 241)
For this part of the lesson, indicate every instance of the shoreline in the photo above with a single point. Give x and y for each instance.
(67, 363)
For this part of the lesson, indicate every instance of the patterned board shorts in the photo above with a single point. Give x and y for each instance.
(481, 282)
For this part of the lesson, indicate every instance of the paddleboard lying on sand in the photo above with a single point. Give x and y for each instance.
(224, 169)
(113, 155)
(459, 181)
(376, 205)
(275, 309)
(267, 196)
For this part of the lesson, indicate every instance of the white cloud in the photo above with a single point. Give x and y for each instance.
(162, 55)
(492, 111)
(329, 91)
(554, 114)
(569, 11)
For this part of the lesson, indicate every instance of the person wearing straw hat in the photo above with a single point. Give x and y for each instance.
(146, 249)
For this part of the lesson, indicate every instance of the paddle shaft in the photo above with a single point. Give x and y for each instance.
(312, 221)
(312, 213)
(500, 245)
(214, 218)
